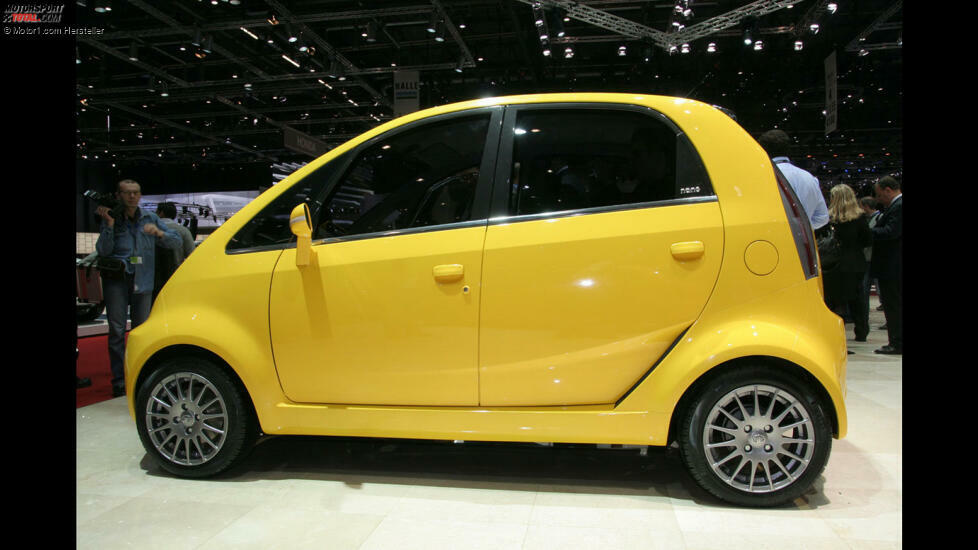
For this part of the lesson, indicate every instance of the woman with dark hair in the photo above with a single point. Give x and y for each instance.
(843, 281)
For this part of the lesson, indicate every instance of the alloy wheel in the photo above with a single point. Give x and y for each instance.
(187, 419)
(759, 438)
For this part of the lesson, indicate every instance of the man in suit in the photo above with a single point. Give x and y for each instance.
(887, 260)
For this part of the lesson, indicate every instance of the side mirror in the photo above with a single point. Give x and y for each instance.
(300, 222)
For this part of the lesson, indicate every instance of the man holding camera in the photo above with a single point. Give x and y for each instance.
(128, 236)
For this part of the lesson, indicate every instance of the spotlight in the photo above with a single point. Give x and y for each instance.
(370, 33)
(196, 41)
(272, 20)
(249, 33)
(758, 46)
(814, 28)
(832, 7)
(292, 36)
(684, 48)
(799, 45)
(432, 23)
(439, 34)
(711, 47)
(133, 52)
(103, 6)
(622, 51)
(163, 91)
(568, 52)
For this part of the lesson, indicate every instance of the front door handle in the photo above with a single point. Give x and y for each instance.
(448, 273)
(688, 250)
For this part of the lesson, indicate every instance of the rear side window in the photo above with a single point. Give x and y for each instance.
(586, 158)
(422, 177)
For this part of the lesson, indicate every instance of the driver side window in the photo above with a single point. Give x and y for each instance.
(421, 177)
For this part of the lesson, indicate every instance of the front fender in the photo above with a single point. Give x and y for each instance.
(238, 341)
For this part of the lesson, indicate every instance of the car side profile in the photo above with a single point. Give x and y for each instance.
(564, 268)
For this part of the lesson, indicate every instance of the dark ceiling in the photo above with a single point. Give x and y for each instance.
(231, 105)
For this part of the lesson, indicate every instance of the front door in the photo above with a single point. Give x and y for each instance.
(387, 311)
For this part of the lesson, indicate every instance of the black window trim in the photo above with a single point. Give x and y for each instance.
(499, 213)
(480, 204)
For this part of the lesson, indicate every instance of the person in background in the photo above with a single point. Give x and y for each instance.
(131, 241)
(843, 282)
(887, 261)
(167, 259)
(804, 184)
(871, 209)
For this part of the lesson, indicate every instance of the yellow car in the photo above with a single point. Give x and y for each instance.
(564, 268)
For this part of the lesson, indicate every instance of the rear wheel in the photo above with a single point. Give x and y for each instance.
(193, 419)
(756, 437)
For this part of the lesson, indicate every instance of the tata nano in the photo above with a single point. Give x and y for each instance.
(560, 268)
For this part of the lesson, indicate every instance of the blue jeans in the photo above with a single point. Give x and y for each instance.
(120, 300)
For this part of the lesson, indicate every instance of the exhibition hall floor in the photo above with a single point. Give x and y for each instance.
(299, 492)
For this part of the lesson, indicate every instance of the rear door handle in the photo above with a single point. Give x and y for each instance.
(448, 273)
(687, 250)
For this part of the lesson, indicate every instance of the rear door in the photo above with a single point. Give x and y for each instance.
(603, 245)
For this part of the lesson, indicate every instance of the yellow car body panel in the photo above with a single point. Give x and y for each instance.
(328, 317)
(600, 297)
(758, 303)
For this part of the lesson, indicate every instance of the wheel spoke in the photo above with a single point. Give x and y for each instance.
(737, 422)
(793, 455)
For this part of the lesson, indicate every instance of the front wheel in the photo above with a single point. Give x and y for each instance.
(193, 419)
(755, 437)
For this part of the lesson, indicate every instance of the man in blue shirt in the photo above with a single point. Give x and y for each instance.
(804, 184)
(131, 239)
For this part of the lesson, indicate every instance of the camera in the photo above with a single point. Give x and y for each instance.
(116, 209)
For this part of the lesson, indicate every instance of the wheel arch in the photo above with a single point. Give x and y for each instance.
(188, 350)
(798, 372)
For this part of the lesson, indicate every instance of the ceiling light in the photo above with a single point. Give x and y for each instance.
(758, 46)
(196, 40)
(272, 20)
(103, 6)
(711, 47)
(432, 23)
(290, 60)
(799, 45)
(133, 52)
(814, 28)
(568, 52)
(685, 48)
(832, 7)
(622, 51)
(546, 52)
(249, 33)
(292, 36)
(163, 91)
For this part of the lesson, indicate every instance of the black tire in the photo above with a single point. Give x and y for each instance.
(193, 419)
(749, 456)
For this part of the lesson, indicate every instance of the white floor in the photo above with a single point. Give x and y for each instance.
(295, 493)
